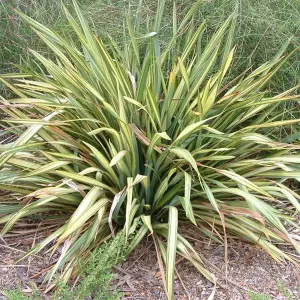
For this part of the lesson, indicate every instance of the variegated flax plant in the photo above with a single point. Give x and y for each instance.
(146, 140)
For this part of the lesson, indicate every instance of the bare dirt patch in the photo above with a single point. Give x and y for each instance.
(139, 277)
(249, 269)
(15, 273)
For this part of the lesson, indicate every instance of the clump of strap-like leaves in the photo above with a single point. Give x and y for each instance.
(145, 139)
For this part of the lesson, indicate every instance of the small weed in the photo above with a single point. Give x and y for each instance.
(284, 290)
(18, 294)
(257, 296)
(95, 276)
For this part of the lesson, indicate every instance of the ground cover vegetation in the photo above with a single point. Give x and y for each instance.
(95, 276)
(262, 27)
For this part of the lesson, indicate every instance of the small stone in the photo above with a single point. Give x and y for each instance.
(4, 270)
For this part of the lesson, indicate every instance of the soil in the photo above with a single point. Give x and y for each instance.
(249, 269)
(139, 277)
(15, 273)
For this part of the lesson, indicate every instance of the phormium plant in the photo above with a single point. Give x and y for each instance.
(147, 140)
